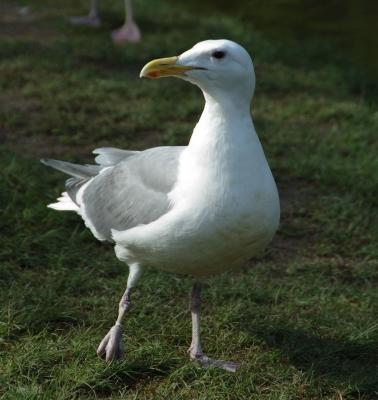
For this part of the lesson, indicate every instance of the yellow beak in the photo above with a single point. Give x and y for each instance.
(164, 67)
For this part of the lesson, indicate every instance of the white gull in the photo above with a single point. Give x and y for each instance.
(200, 209)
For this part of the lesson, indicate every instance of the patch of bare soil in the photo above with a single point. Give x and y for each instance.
(36, 145)
(42, 145)
(296, 234)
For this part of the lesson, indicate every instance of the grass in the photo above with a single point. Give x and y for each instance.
(301, 319)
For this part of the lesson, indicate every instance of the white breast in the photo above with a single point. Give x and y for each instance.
(225, 210)
(225, 206)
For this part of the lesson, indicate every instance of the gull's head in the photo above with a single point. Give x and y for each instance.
(216, 66)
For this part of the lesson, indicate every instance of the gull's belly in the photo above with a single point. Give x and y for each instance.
(205, 241)
(224, 212)
(218, 246)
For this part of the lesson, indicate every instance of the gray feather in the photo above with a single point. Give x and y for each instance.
(75, 170)
(80, 174)
(108, 156)
(133, 192)
(72, 187)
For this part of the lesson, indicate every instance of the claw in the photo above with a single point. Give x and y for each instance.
(111, 347)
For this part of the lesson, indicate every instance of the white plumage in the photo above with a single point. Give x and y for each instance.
(214, 207)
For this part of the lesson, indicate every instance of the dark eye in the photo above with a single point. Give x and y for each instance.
(218, 54)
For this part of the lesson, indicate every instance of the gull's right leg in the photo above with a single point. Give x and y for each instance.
(92, 19)
(111, 347)
(195, 349)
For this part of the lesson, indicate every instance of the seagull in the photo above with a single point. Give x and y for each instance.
(197, 210)
(128, 32)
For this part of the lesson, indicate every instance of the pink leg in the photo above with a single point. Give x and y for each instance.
(195, 349)
(129, 31)
(111, 347)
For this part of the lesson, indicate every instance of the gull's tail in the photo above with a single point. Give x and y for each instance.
(80, 174)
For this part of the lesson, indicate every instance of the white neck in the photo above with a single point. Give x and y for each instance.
(225, 126)
(230, 105)
(224, 152)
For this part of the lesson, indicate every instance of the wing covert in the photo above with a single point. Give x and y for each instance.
(131, 193)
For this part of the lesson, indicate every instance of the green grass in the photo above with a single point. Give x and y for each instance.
(302, 319)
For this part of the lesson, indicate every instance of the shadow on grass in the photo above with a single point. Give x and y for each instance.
(121, 376)
(330, 360)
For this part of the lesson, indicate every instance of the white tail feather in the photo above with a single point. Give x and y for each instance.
(64, 203)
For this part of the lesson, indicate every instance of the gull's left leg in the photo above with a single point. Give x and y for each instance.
(111, 347)
(129, 31)
(195, 349)
(92, 19)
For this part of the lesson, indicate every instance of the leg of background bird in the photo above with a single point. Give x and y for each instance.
(92, 19)
(111, 347)
(195, 349)
(129, 31)
(93, 11)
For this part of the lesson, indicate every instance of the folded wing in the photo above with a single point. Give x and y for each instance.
(134, 191)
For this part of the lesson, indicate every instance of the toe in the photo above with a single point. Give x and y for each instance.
(207, 362)
(101, 350)
(113, 347)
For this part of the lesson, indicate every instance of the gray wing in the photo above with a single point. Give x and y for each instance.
(132, 192)
(108, 156)
(81, 174)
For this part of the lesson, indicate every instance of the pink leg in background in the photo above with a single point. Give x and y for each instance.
(129, 31)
